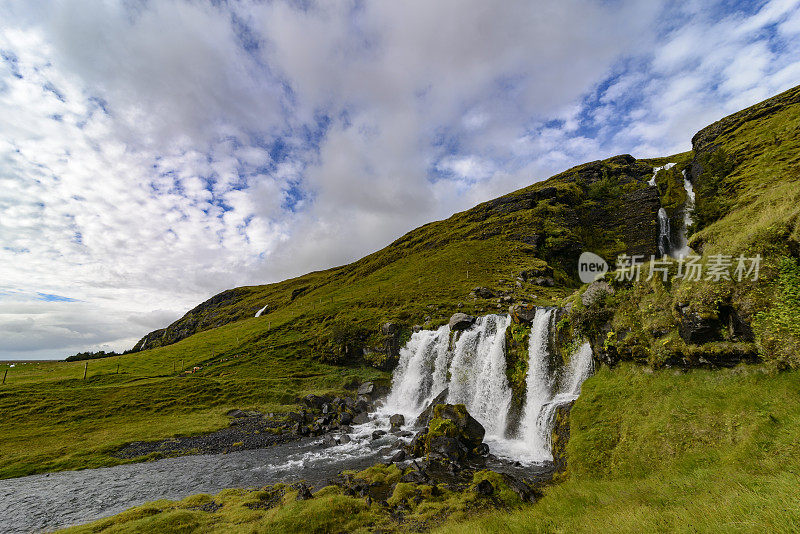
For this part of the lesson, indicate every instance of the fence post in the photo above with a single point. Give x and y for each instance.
(5, 375)
(85, 369)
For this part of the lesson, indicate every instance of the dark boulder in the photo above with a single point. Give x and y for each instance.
(315, 402)
(399, 456)
(461, 321)
(345, 418)
(417, 446)
(483, 292)
(396, 421)
(482, 449)
(454, 419)
(522, 313)
(378, 434)
(484, 488)
(695, 328)
(360, 418)
(450, 448)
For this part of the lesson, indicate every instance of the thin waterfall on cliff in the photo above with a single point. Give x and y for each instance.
(473, 369)
(664, 231)
(682, 247)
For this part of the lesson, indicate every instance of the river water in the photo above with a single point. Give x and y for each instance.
(46, 502)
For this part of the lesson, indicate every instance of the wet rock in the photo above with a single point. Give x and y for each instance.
(326, 408)
(425, 416)
(483, 488)
(367, 388)
(461, 321)
(344, 438)
(396, 421)
(399, 456)
(522, 313)
(560, 437)
(345, 418)
(329, 441)
(362, 405)
(447, 447)
(482, 449)
(378, 434)
(360, 418)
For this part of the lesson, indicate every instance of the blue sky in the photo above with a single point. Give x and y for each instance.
(154, 153)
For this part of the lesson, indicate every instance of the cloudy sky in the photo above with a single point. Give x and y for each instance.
(153, 153)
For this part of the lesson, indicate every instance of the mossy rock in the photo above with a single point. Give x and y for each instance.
(453, 421)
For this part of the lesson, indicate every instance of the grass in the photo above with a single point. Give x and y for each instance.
(703, 451)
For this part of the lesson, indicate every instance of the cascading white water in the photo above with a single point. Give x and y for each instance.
(539, 383)
(421, 372)
(474, 371)
(478, 374)
(664, 231)
(655, 171)
(262, 310)
(682, 248)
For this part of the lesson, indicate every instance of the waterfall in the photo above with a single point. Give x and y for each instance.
(539, 382)
(474, 371)
(421, 372)
(664, 231)
(655, 171)
(262, 310)
(478, 373)
(682, 248)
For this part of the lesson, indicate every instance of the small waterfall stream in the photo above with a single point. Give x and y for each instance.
(474, 371)
(666, 247)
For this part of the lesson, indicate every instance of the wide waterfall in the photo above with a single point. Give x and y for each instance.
(473, 369)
